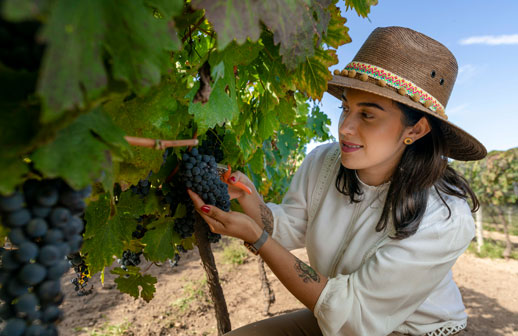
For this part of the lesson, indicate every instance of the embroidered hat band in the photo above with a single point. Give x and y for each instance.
(404, 86)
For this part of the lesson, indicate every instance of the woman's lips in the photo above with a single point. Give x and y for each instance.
(348, 147)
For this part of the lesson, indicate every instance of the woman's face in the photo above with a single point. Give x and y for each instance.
(371, 134)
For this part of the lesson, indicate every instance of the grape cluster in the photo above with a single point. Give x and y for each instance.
(173, 194)
(20, 49)
(174, 262)
(140, 230)
(212, 146)
(200, 173)
(142, 187)
(45, 227)
(185, 226)
(80, 282)
(129, 258)
(213, 237)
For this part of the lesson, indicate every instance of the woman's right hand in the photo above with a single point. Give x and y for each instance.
(250, 203)
(235, 192)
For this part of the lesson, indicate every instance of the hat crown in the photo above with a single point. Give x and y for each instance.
(414, 57)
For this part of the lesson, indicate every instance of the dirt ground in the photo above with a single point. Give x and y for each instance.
(182, 306)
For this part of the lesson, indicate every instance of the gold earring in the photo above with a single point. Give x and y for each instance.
(408, 141)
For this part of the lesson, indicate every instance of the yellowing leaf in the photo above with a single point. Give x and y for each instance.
(312, 75)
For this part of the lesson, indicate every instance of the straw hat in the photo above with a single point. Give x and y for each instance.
(411, 68)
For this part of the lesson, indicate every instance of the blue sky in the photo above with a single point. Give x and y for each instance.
(483, 36)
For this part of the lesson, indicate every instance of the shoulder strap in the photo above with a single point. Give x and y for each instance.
(325, 177)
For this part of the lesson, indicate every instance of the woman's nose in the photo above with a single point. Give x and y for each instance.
(347, 124)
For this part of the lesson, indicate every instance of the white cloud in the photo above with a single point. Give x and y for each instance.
(456, 110)
(466, 73)
(491, 39)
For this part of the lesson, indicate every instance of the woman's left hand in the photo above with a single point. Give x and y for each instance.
(234, 224)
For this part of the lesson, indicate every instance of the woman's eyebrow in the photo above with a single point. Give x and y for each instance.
(371, 105)
(366, 104)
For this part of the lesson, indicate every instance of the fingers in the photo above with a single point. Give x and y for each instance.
(214, 225)
(198, 202)
(235, 177)
(209, 211)
(240, 181)
(231, 223)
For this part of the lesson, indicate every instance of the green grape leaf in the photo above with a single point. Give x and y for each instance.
(272, 70)
(83, 150)
(137, 43)
(232, 152)
(159, 114)
(104, 236)
(247, 144)
(132, 282)
(218, 110)
(293, 22)
(296, 36)
(4, 231)
(317, 123)
(312, 75)
(20, 10)
(287, 141)
(12, 171)
(232, 19)
(133, 206)
(268, 123)
(67, 76)
(222, 106)
(165, 170)
(337, 33)
(188, 243)
(285, 110)
(235, 54)
(268, 101)
(256, 163)
(362, 7)
(160, 239)
(167, 8)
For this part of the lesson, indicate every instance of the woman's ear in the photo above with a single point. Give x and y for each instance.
(420, 129)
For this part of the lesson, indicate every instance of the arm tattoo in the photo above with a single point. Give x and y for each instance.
(305, 272)
(267, 218)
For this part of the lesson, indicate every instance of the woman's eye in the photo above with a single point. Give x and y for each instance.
(367, 115)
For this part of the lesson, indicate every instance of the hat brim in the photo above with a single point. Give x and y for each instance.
(462, 145)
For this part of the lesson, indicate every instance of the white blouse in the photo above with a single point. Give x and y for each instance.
(376, 284)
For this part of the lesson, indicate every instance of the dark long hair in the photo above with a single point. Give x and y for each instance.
(424, 164)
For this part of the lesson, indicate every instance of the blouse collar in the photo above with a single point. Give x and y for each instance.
(381, 187)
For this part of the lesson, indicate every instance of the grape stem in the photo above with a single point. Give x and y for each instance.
(159, 144)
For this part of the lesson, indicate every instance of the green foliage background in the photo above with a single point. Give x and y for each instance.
(493, 179)
(112, 68)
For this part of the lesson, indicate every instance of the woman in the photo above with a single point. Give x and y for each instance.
(382, 216)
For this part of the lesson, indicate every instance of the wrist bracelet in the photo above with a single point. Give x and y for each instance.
(254, 248)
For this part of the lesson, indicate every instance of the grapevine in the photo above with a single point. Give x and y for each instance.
(91, 117)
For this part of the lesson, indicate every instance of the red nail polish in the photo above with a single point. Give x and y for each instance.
(205, 209)
(232, 178)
